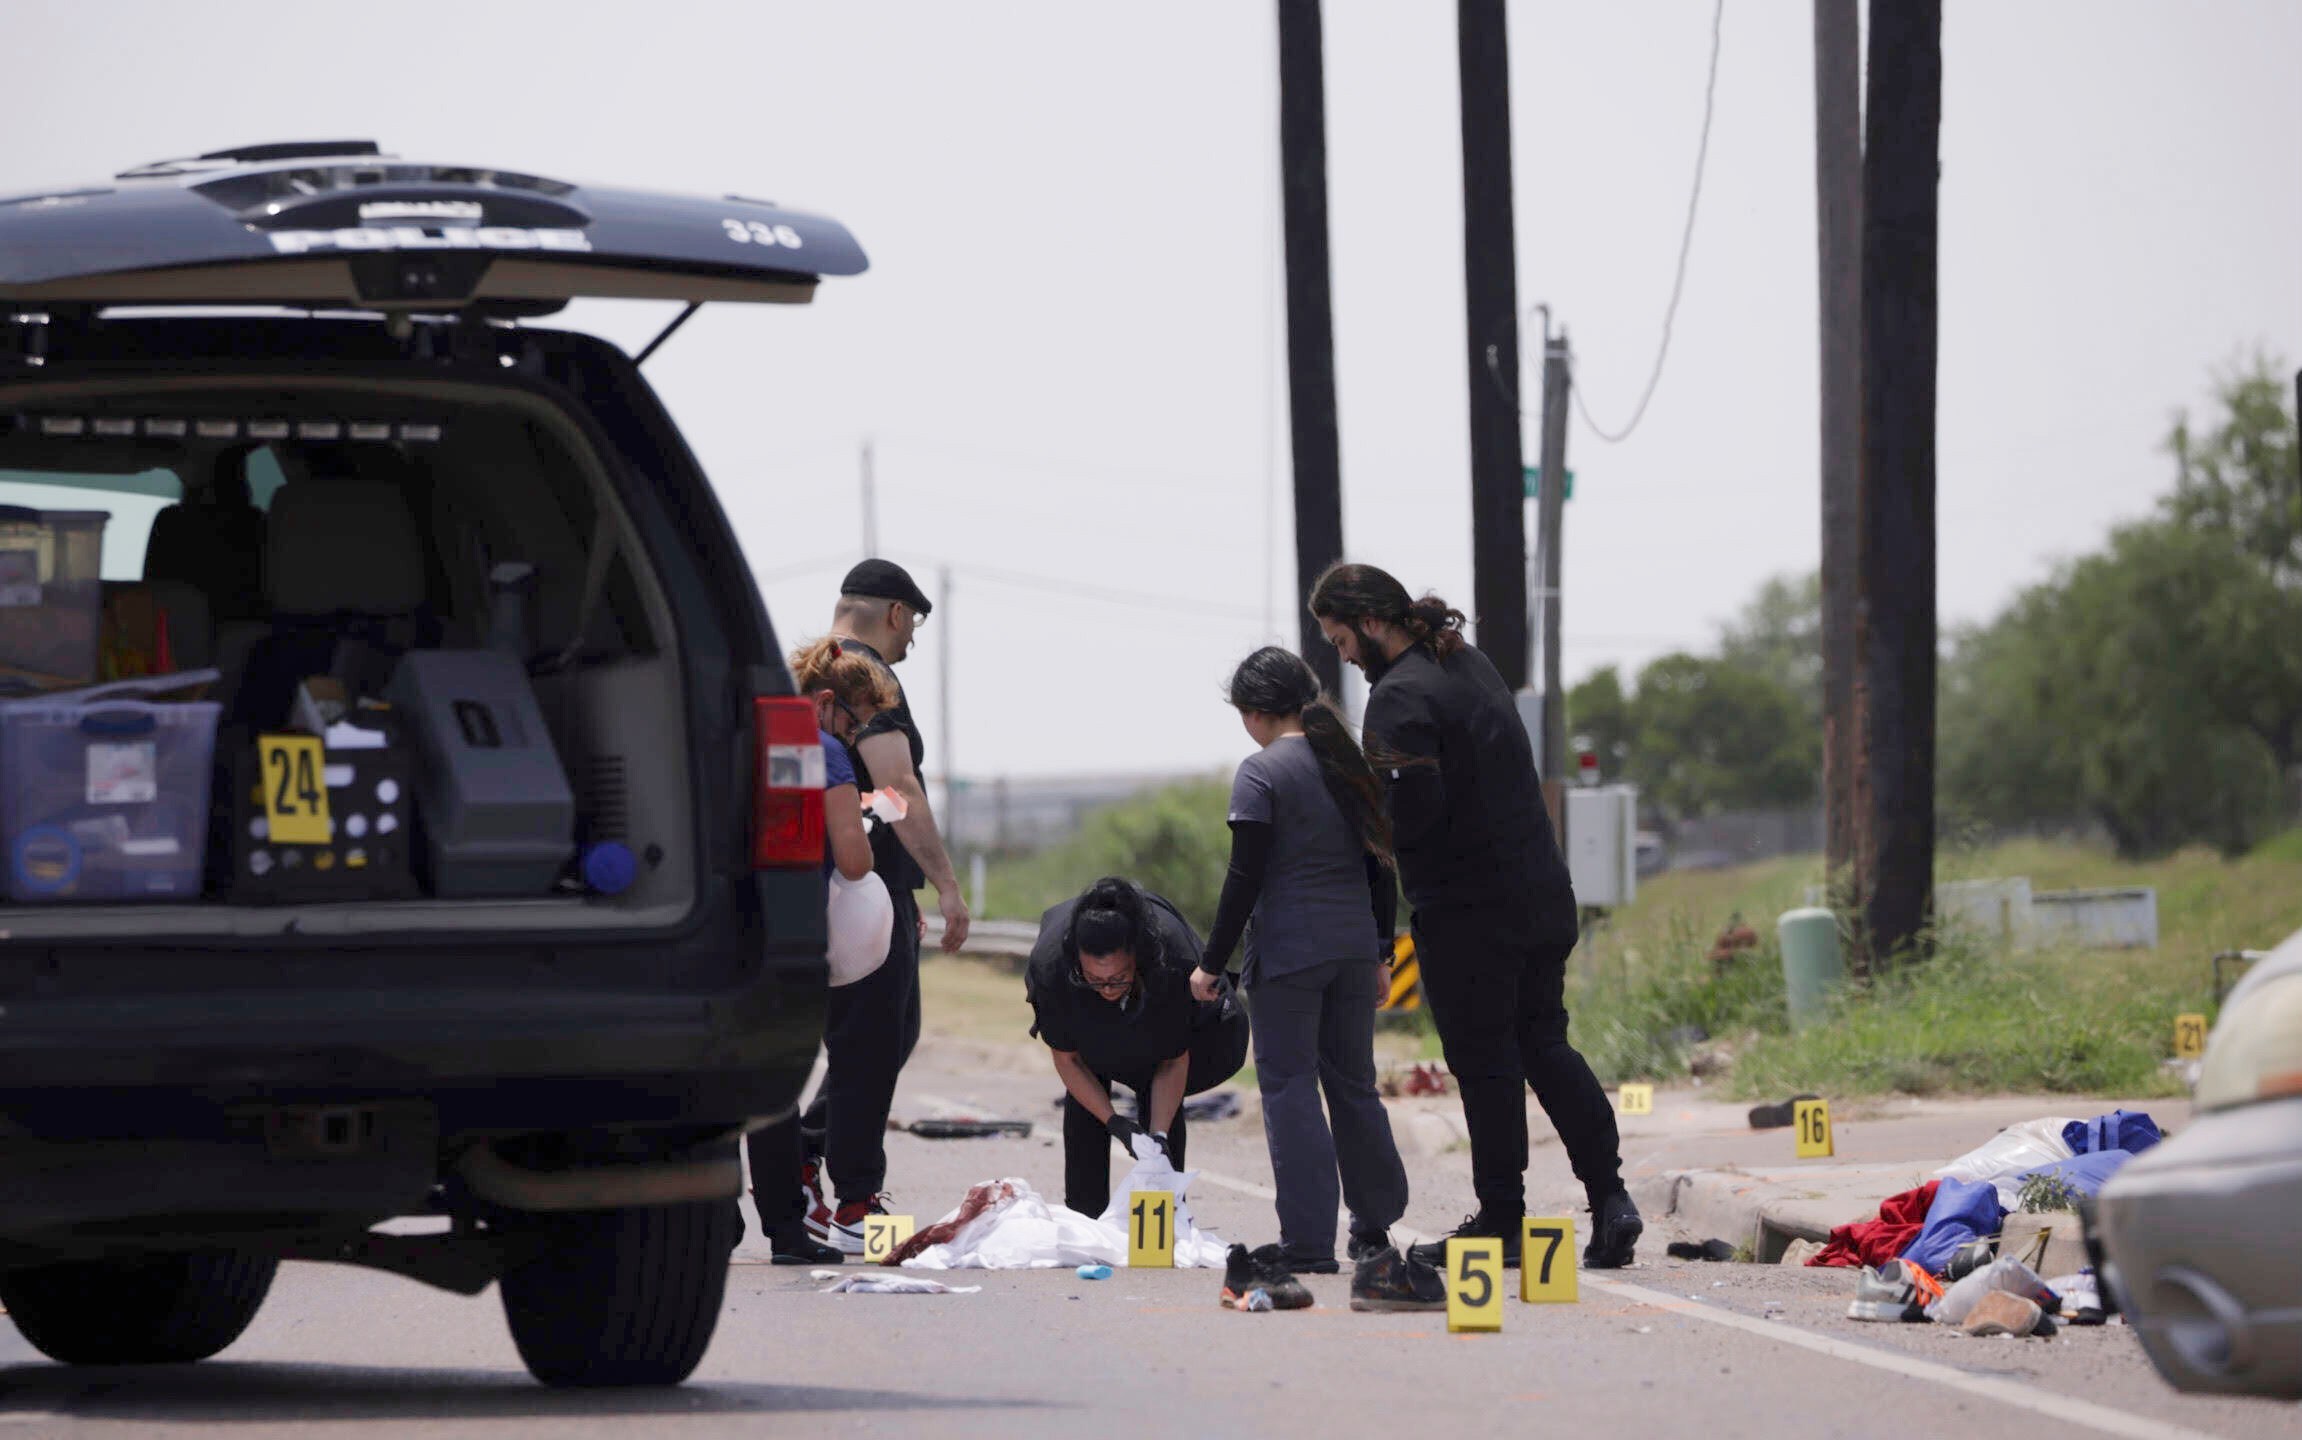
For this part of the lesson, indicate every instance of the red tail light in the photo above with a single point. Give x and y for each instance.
(787, 803)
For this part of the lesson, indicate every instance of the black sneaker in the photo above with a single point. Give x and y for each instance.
(1615, 1231)
(1279, 1260)
(792, 1245)
(1474, 1227)
(1387, 1280)
(1248, 1284)
(1367, 1244)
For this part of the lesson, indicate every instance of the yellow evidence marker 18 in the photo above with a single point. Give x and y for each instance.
(1637, 1099)
(1810, 1120)
(883, 1235)
(2189, 1036)
(1547, 1261)
(1475, 1283)
(1151, 1230)
(295, 790)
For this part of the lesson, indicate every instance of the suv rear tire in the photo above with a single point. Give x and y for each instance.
(148, 1310)
(623, 1297)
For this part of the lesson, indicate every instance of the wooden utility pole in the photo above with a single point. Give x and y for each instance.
(1838, 214)
(1310, 321)
(1895, 634)
(1491, 297)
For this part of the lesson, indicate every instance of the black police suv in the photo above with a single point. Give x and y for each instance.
(360, 925)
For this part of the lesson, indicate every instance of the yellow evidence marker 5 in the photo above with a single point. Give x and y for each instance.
(1475, 1283)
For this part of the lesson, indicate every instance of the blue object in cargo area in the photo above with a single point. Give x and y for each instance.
(2087, 1173)
(2128, 1130)
(1963, 1210)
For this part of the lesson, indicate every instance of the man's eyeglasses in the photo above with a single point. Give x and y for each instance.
(1103, 987)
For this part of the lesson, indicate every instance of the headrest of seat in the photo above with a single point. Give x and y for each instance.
(344, 547)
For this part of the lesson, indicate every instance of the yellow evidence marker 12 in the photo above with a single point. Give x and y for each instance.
(1637, 1099)
(1151, 1230)
(1475, 1283)
(883, 1235)
(1810, 1121)
(1547, 1261)
(295, 790)
(2189, 1036)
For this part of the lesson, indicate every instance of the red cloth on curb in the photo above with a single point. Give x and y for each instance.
(1874, 1242)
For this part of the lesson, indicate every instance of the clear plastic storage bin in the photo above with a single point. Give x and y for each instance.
(51, 597)
(104, 796)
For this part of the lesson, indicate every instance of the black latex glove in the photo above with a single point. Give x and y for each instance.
(1131, 1137)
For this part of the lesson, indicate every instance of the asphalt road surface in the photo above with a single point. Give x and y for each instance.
(1664, 1349)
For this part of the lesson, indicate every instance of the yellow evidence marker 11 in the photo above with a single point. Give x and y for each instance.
(883, 1235)
(295, 790)
(1637, 1099)
(1475, 1283)
(2189, 1036)
(1151, 1230)
(1810, 1121)
(1547, 1261)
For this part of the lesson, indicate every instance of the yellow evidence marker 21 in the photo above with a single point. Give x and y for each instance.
(295, 790)
(1151, 1230)
(883, 1235)
(1810, 1121)
(1547, 1261)
(1637, 1099)
(2189, 1036)
(1475, 1283)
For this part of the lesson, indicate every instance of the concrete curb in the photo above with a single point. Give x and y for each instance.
(1766, 1211)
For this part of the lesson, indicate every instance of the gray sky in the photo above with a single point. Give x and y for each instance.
(1069, 344)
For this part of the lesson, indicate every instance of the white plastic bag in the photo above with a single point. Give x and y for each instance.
(860, 916)
(2004, 1273)
(1021, 1230)
(1194, 1248)
(2012, 1153)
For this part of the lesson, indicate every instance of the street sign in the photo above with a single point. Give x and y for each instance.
(1547, 1261)
(1533, 475)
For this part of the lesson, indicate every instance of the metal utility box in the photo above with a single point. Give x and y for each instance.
(1602, 844)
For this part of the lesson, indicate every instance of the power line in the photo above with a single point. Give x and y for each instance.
(1686, 245)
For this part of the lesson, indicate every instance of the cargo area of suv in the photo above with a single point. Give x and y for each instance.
(404, 807)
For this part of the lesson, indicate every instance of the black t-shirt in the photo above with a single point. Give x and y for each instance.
(1115, 1042)
(888, 857)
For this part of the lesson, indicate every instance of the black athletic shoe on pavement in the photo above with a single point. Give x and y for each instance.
(1278, 1259)
(1615, 1231)
(792, 1245)
(1480, 1226)
(1250, 1284)
(1387, 1280)
(1367, 1245)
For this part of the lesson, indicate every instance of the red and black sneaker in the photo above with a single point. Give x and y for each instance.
(815, 1210)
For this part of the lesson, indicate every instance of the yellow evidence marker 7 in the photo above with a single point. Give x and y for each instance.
(295, 789)
(883, 1235)
(1151, 1230)
(1475, 1283)
(1637, 1099)
(1547, 1261)
(2189, 1036)
(1810, 1121)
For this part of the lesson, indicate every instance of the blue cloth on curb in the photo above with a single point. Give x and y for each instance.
(2087, 1173)
(1963, 1210)
(2128, 1130)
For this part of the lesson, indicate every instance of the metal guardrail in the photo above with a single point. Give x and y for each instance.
(1010, 938)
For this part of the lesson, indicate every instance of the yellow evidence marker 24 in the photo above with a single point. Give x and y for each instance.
(1547, 1261)
(295, 789)
(1810, 1121)
(1151, 1230)
(883, 1235)
(1475, 1283)
(1637, 1099)
(2189, 1036)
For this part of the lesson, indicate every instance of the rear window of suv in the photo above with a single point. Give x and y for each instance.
(131, 500)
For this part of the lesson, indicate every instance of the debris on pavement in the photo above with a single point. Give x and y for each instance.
(956, 1128)
(1214, 1105)
(1093, 1272)
(879, 1283)
(1426, 1078)
(1999, 1313)
(1707, 1250)
(1777, 1117)
(1801, 1252)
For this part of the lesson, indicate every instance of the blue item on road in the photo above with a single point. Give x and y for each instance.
(1094, 1272)
(2128, 1130)
(1963, 1210)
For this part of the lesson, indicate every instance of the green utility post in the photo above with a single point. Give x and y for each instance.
(1812, 967)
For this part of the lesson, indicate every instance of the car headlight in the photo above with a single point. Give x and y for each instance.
(2255, 1052)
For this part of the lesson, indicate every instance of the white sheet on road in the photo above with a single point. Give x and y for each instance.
(1022, 1230)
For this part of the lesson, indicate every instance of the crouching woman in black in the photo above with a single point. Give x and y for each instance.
(1110, 989)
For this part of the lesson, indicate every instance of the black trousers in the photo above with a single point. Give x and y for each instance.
(872, 1027)
(776, 1156)
(1217, 1052)
(1314, 1034)
(1498, 996)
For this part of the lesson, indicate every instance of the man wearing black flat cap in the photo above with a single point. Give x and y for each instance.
(875, 1021)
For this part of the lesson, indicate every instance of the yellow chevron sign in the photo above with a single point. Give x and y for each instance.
(1406, 977)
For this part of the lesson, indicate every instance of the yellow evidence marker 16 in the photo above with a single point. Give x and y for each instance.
(883, 1235)
(1547, 1261)
(1637, 1099)
(2189, 1036)
(1151, 1230)
(295, 790)
(1810, 1121)
(1475, 1283)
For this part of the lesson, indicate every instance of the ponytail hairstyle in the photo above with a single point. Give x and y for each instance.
(851, 675)
(1112, 915)
(1273, 681)
(1352, 593)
